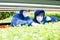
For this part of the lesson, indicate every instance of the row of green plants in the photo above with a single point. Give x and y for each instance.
(4, 15)
(49, 31)
(54, 14)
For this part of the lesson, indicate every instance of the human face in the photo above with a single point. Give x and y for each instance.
(26, 13)
(39, 18)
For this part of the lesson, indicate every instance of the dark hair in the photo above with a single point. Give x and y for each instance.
(39, 12)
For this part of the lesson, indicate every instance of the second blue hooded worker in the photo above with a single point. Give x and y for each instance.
(39, 17)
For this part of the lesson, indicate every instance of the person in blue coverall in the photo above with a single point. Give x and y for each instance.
(21, 18)
(39, 17)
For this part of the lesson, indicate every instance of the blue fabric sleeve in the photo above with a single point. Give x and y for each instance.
(54, 19)
(44, 21)
(13, 22)
(16, 21)
(30, 22)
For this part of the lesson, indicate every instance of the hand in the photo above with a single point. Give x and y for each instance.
(48, 18)
(35, 24)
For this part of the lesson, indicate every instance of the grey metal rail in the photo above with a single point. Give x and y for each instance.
(18, 6)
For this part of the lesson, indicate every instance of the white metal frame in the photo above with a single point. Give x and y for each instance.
(25, 6)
